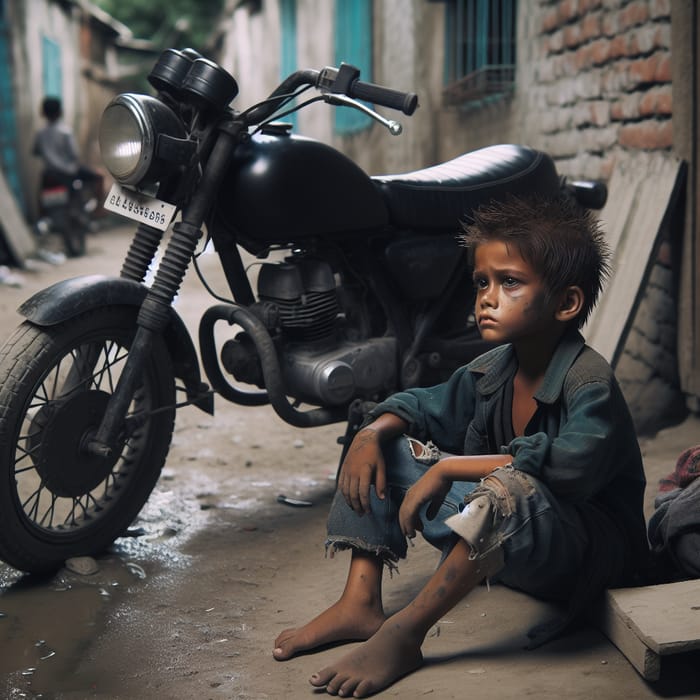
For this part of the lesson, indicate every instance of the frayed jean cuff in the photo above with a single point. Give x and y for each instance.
(377, 532)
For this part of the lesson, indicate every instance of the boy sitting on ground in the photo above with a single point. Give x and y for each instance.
(523, 467)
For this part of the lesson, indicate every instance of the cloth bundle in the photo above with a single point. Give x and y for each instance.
(674, 528)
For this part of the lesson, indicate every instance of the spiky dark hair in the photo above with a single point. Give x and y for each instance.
(562, 241)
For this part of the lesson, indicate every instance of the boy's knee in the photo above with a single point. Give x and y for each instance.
(506, 486)
(486, 510)
(407, 459)
(425, 453)
(479, 524)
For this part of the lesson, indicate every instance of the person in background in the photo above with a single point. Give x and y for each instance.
(55, 145)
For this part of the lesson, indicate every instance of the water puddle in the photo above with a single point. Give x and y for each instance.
(47, 625)
(74, 634)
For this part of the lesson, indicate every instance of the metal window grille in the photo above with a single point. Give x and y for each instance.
(480, 42)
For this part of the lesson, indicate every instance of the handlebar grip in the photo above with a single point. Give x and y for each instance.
(589, 193)
(406, 102)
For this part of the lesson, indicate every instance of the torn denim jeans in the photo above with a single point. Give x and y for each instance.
(406, 461)
(510, 520)
(542, 540)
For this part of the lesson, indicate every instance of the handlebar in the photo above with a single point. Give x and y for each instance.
(405, 102)
(344, 81)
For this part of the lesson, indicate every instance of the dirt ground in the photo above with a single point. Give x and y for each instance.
(189, 606)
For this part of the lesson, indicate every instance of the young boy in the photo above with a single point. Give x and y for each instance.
(55, 145)
(532, 474)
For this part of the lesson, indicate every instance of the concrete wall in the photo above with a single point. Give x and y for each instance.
(405, 33)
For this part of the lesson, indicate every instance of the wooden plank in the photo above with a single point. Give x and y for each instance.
(19, 238)
(615, 628)
(650, 622)
(641, 195)
(666, 617)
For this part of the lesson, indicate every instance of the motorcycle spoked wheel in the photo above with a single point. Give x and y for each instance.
(57, 501)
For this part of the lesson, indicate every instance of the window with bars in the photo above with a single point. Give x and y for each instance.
(480, 49)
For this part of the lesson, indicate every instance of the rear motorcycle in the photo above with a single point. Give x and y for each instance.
(370, 295)
(65, 206)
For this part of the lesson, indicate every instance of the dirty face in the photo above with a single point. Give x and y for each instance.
(511, 299)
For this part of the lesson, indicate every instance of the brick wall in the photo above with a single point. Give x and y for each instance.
(648, 368)
(605, 72)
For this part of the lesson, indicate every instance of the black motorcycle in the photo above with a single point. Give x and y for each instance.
(370, 294)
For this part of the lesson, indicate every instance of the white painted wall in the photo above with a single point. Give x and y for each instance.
(408, 56)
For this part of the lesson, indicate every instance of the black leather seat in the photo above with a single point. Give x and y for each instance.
(441, 196)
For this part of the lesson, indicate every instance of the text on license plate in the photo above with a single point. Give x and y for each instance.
(140, 207)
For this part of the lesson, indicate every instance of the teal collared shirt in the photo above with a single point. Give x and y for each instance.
(580, 442)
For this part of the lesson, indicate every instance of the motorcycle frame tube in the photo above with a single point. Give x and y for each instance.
(272, 373)
(226, 247)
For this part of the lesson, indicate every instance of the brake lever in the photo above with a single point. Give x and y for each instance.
(340, 100)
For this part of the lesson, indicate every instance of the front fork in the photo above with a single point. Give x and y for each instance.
(154, 314)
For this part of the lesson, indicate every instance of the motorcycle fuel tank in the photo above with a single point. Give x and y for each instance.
(281, 188)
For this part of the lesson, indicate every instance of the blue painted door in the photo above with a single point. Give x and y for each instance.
(288, 49)
(353, 44)
(8, 123)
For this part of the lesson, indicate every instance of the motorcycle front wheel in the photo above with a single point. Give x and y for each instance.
(56, 499)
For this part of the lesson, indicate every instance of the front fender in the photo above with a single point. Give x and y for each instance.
(72, 297)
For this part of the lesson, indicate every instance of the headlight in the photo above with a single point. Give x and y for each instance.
(128, 136)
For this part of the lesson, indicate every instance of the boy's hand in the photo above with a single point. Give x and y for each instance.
(363, 466)
(431, 488)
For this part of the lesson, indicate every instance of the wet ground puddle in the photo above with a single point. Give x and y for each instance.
(46, 625)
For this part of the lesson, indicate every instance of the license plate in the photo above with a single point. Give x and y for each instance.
(140, 207)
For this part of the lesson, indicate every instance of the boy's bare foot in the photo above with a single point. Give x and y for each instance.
(339, 623)
(387, 656)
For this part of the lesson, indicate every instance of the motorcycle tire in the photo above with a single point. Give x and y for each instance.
(74, 242)
(72, 230)
(74, 234)
(56, 500)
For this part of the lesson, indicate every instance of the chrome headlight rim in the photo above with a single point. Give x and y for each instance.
(146, 118)
(137, 112)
